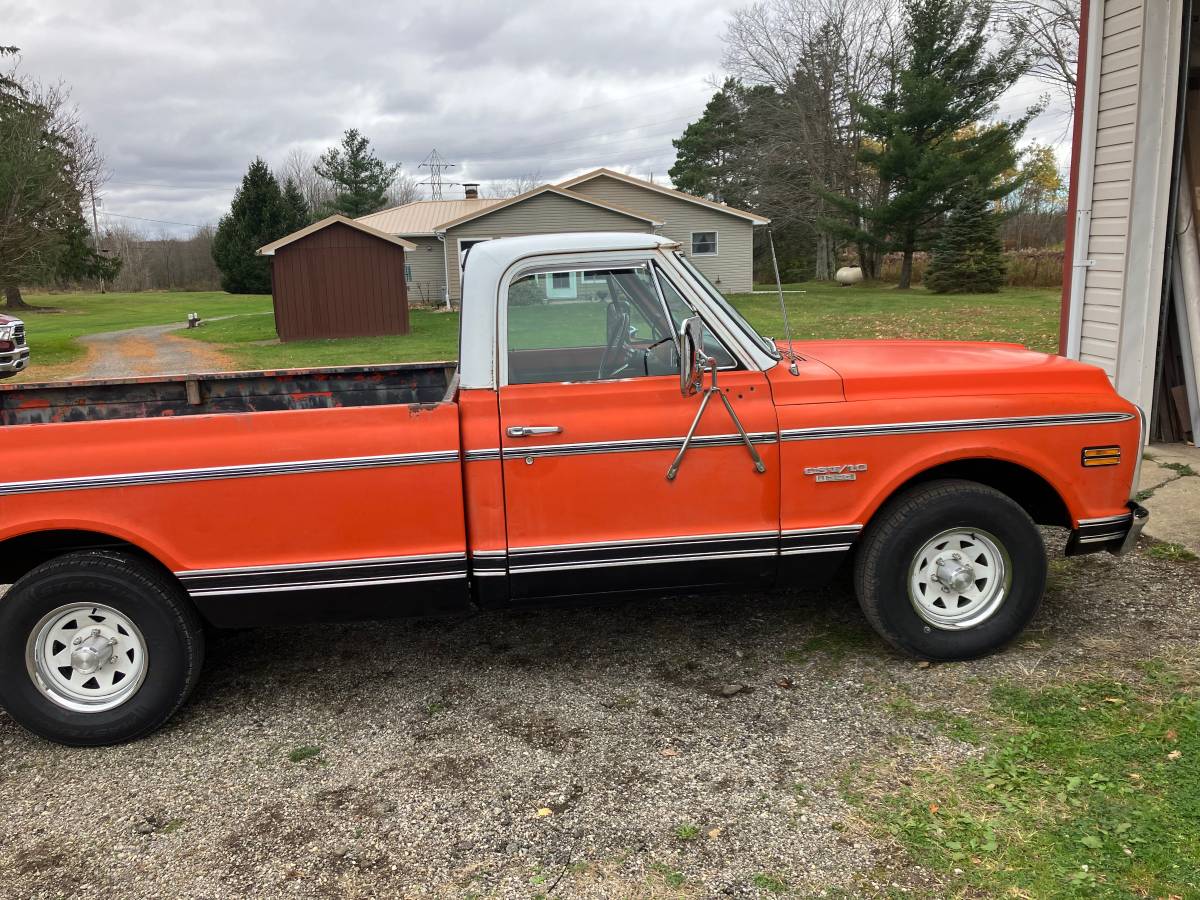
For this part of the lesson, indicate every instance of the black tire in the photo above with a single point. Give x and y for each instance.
(137, 590)
(902, 529)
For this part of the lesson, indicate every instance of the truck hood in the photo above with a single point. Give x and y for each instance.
(872, 370)
(8, 320)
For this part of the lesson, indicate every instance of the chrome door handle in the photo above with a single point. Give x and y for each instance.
(530, 430)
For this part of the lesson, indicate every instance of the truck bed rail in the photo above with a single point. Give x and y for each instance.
(224, 392)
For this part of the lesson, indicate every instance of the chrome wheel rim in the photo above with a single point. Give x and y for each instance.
(86, 657)
(959, 579)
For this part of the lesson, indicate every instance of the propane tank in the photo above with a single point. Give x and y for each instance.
(848, 275)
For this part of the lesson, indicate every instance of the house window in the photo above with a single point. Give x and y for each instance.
(704, 243)
(407, 274)
(464, 247)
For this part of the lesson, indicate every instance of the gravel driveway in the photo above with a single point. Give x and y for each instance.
(691, 746)
(149, 350)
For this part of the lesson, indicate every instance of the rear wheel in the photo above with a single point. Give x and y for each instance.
(97, 648)
(951, 570)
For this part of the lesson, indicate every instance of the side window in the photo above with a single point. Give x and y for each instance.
(587, 325)
(680, 310)
(704, 243)
(464, 248)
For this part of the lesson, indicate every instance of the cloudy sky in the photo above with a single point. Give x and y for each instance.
(182, 96)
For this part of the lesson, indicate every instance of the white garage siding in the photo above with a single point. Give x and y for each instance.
(1120, 64)
(1129, 96)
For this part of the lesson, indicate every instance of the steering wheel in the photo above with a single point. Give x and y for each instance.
(618, 350)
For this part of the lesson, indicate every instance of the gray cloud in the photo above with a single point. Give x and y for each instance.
(183, 96)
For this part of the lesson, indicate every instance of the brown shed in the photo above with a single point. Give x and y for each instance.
(338, 278)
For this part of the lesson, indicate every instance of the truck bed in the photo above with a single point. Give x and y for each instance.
(224, 392)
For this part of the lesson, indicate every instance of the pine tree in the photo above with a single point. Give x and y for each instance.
(46, 162)
(79, 259)
(706, 152)
(968, 257)
(360, 179)
(257, 216)
(925, 137)
(297, 207)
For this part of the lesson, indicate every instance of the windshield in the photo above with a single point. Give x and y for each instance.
(738, 319)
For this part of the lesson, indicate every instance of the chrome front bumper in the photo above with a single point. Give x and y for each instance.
(14, 360)
(1116, 534)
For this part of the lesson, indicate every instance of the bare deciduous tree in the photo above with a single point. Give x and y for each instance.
(1049, 29)
(163, 262)
(404, 189)
(820, 57)
(49, 162)
(317, 191)
(512, 187)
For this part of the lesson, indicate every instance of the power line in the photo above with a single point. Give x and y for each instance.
(591, 136)
(158, 221)
(629, 97)
(600, 156)
(183, 187)
(483, 156)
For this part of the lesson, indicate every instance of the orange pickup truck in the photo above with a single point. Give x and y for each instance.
(613, 426)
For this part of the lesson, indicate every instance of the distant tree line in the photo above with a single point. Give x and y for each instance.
(868, 127)
(162, 262)
(49, 164)
(348, 179)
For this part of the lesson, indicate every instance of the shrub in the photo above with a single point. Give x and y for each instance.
(968, 257)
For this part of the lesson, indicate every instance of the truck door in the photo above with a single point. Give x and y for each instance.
(591, 419)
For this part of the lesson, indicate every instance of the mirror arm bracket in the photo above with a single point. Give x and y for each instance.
(708, 395)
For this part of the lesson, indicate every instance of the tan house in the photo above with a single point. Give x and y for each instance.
(717, 238)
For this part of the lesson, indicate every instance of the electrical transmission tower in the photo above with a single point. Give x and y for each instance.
(435, 164)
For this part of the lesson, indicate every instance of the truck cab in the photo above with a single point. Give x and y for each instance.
(614, 427)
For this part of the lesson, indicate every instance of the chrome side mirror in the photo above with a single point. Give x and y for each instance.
(691, 355)
(692, 363)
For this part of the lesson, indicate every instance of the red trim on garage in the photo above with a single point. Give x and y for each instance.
(1064, 316)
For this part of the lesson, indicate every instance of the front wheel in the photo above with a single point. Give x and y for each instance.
(96, 648)
(951, 570)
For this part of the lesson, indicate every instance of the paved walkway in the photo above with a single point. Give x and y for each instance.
(150, 350)
(1170, 489)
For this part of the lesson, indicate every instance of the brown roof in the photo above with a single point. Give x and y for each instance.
(547, 189)
(269, 249)
(671, 192)
(423, 217)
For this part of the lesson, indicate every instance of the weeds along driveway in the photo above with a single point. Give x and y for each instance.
(149, 350)
(694, 746)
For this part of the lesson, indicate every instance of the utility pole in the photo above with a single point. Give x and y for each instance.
(96, 230)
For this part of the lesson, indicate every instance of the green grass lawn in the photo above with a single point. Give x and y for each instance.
(58, 319)
(253, 344)
(1084, 789)
(1028, 316)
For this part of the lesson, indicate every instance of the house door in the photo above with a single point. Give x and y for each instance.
(591, 418)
